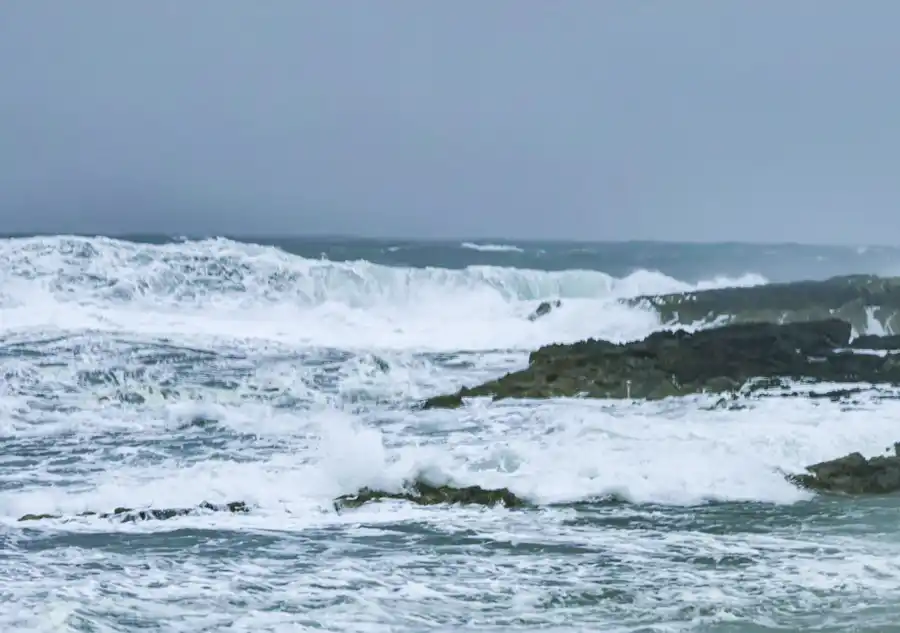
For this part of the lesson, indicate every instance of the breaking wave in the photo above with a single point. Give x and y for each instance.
(233, 288)
(492, 248)
(137, 375)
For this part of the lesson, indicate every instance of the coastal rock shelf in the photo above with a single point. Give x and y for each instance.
(679, 363)
(862, 300)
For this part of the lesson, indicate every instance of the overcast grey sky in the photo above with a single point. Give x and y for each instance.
(759, 120)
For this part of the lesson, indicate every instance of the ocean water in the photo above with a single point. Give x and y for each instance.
(156, 372)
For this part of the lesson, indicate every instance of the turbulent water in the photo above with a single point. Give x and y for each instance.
(164, 373)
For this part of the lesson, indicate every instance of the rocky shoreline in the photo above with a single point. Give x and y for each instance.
(797, 330)
(678, 363)
(861, 300)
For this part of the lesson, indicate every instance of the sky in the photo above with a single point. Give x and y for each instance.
(703, 120)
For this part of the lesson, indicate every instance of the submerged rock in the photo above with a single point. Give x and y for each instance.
(131, 515)
(853, 474)
(679, 363)
(852, 298)
(422, 493)
(544, 308)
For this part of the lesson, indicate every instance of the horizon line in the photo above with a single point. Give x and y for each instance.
(483, 240)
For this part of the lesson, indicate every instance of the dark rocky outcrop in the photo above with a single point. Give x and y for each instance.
(543, 309)
(873, 341)
(679, 363)
(131, 515)
(417, 492)
(422, 493)
(851, 298)
(853, 474)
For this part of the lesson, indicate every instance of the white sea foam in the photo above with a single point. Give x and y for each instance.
(550, 453)
(261, 412)
(224, 289)
(65, 283)
(556, 452)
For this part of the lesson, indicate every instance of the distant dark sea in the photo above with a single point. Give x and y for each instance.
(162, 372)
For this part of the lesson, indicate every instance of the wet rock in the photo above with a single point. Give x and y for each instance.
(381, 364)
(727, 404)
(38, 517)
(131, 515)
(422, 493)
(836, 395)
(852, 298)
(678, 363)
(853, 474)
(874, 341)
(766, 384)
(447, 401)
(544, 308)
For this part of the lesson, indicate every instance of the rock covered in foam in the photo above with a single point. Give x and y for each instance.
(679, 363)
(422, 493)
(853, 474)
(418, 492)
(853, 298)
(543, 309)
(131, 515)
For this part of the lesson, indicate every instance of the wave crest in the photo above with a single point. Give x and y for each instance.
(117, 270)
(228, 288)
(492, 248)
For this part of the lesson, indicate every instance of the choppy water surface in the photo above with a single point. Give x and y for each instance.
(165, 375)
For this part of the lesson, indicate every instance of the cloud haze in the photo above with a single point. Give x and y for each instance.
(628, 119)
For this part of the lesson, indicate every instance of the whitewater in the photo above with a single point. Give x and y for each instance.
(163, 373)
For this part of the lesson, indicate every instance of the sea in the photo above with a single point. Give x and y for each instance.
(168, 371)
